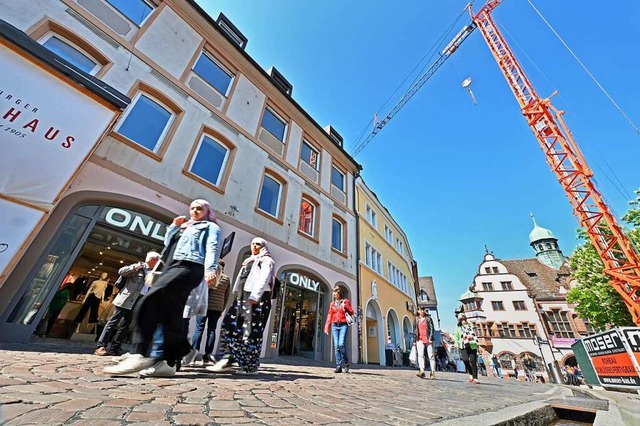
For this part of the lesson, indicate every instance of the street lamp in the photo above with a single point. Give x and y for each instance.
(554, 373)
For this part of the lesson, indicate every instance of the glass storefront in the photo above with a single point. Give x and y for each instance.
(94, 242)
(298, 317)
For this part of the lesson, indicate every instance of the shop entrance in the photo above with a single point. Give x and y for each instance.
(299, 320)
(85, 258)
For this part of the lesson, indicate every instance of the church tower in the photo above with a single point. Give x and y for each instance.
(546, 246)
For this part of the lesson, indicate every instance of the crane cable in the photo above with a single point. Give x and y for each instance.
(626, 117)
(355, 146)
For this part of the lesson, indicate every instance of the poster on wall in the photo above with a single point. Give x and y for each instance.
(17, 223)
(47, 130)
(611, 359)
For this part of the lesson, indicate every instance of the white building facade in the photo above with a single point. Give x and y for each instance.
(205, 121)
(518, 307)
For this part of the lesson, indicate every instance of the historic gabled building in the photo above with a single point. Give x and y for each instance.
(387, 279)
(520, 307)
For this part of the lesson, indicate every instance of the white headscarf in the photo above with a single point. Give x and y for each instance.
(264, 251)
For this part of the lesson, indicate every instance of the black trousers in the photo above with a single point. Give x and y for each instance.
(119, 324)
(470, 358)
(163, 306)
(90, 302)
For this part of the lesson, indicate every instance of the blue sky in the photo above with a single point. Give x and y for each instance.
(455, 176)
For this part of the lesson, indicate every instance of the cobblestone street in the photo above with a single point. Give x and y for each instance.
(40, 385)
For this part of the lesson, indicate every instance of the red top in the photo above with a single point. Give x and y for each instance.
(423, 335)
(336, 313)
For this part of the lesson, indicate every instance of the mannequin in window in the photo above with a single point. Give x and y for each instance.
(92, 299)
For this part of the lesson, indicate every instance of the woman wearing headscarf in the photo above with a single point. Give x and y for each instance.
(466, 340)
(191, 254)
(337, 322)
(246, 318)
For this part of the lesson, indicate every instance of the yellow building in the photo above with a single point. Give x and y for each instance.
(387, 275)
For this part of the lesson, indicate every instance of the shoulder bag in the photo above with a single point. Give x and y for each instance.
(350, 318)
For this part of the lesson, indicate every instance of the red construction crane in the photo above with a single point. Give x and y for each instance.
(621, 262)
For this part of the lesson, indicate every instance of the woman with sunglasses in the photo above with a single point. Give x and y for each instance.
(337, 322)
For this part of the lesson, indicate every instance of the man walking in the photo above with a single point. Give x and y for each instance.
(218, 295)
(132, 286)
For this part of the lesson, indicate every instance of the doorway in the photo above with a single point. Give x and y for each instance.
(299, 322)
(94, 243)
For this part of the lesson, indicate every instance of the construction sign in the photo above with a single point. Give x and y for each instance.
(615, 355)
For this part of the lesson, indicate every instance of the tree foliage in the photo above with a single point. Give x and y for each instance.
(596, 300)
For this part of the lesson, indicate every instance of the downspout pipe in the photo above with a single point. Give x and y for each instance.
(361, 315)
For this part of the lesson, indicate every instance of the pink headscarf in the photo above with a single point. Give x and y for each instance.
(209, 214)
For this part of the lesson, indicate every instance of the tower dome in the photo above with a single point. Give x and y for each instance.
(540, 233)
(546, 246)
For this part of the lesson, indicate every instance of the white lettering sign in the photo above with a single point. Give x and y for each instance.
(124, 219)
(303, 281)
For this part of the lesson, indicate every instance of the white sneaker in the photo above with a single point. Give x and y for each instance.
(189, 358)
(121, 357)
(159, 369)
(222, 366)
(132, 364)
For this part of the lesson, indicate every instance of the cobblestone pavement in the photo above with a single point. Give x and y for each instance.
(58, 382)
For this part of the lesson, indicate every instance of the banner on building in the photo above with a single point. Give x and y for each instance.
(612, 358)
(48, 128)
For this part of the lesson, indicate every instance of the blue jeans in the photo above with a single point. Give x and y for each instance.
(339, 332)
(212, 318)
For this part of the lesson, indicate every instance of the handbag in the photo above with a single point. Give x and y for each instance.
(153, 275)
(351, 319)
(197, 302)
(413, 355)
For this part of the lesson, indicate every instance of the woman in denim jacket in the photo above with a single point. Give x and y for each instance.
(191, 254)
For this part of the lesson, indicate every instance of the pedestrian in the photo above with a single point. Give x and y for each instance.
(497, 370)
(195, 256)
(481, 366)
(132, 287)
(514, 362)
(246, 318)
(441, 353)
(60, 299)
(337, 322)
(218, 296)
(423, 332)
(530, 366)
(467, 342)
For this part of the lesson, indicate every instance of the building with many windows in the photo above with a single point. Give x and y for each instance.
(387, 278)
(519, 307)
(204, 121)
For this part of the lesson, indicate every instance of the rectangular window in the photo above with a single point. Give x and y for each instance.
(213, 73)
(307, 217)
(400, 246)
(373, 258)
(136, 10)
(372, 217)
(337, 235)
(71, 54)
(310, 155)
(270, 193)
(497, 306)
(519, 305)
(560, 323)
(146, 123)
(506, 285)
(487, 286)
(388, 234)
(337, 179)
(500, 327)
(494, 269)
(210, 160)
(487, 270)
(274, 124)
(512, 330)
(525, 330)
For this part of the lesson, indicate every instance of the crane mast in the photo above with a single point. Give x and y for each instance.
(621, 262)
